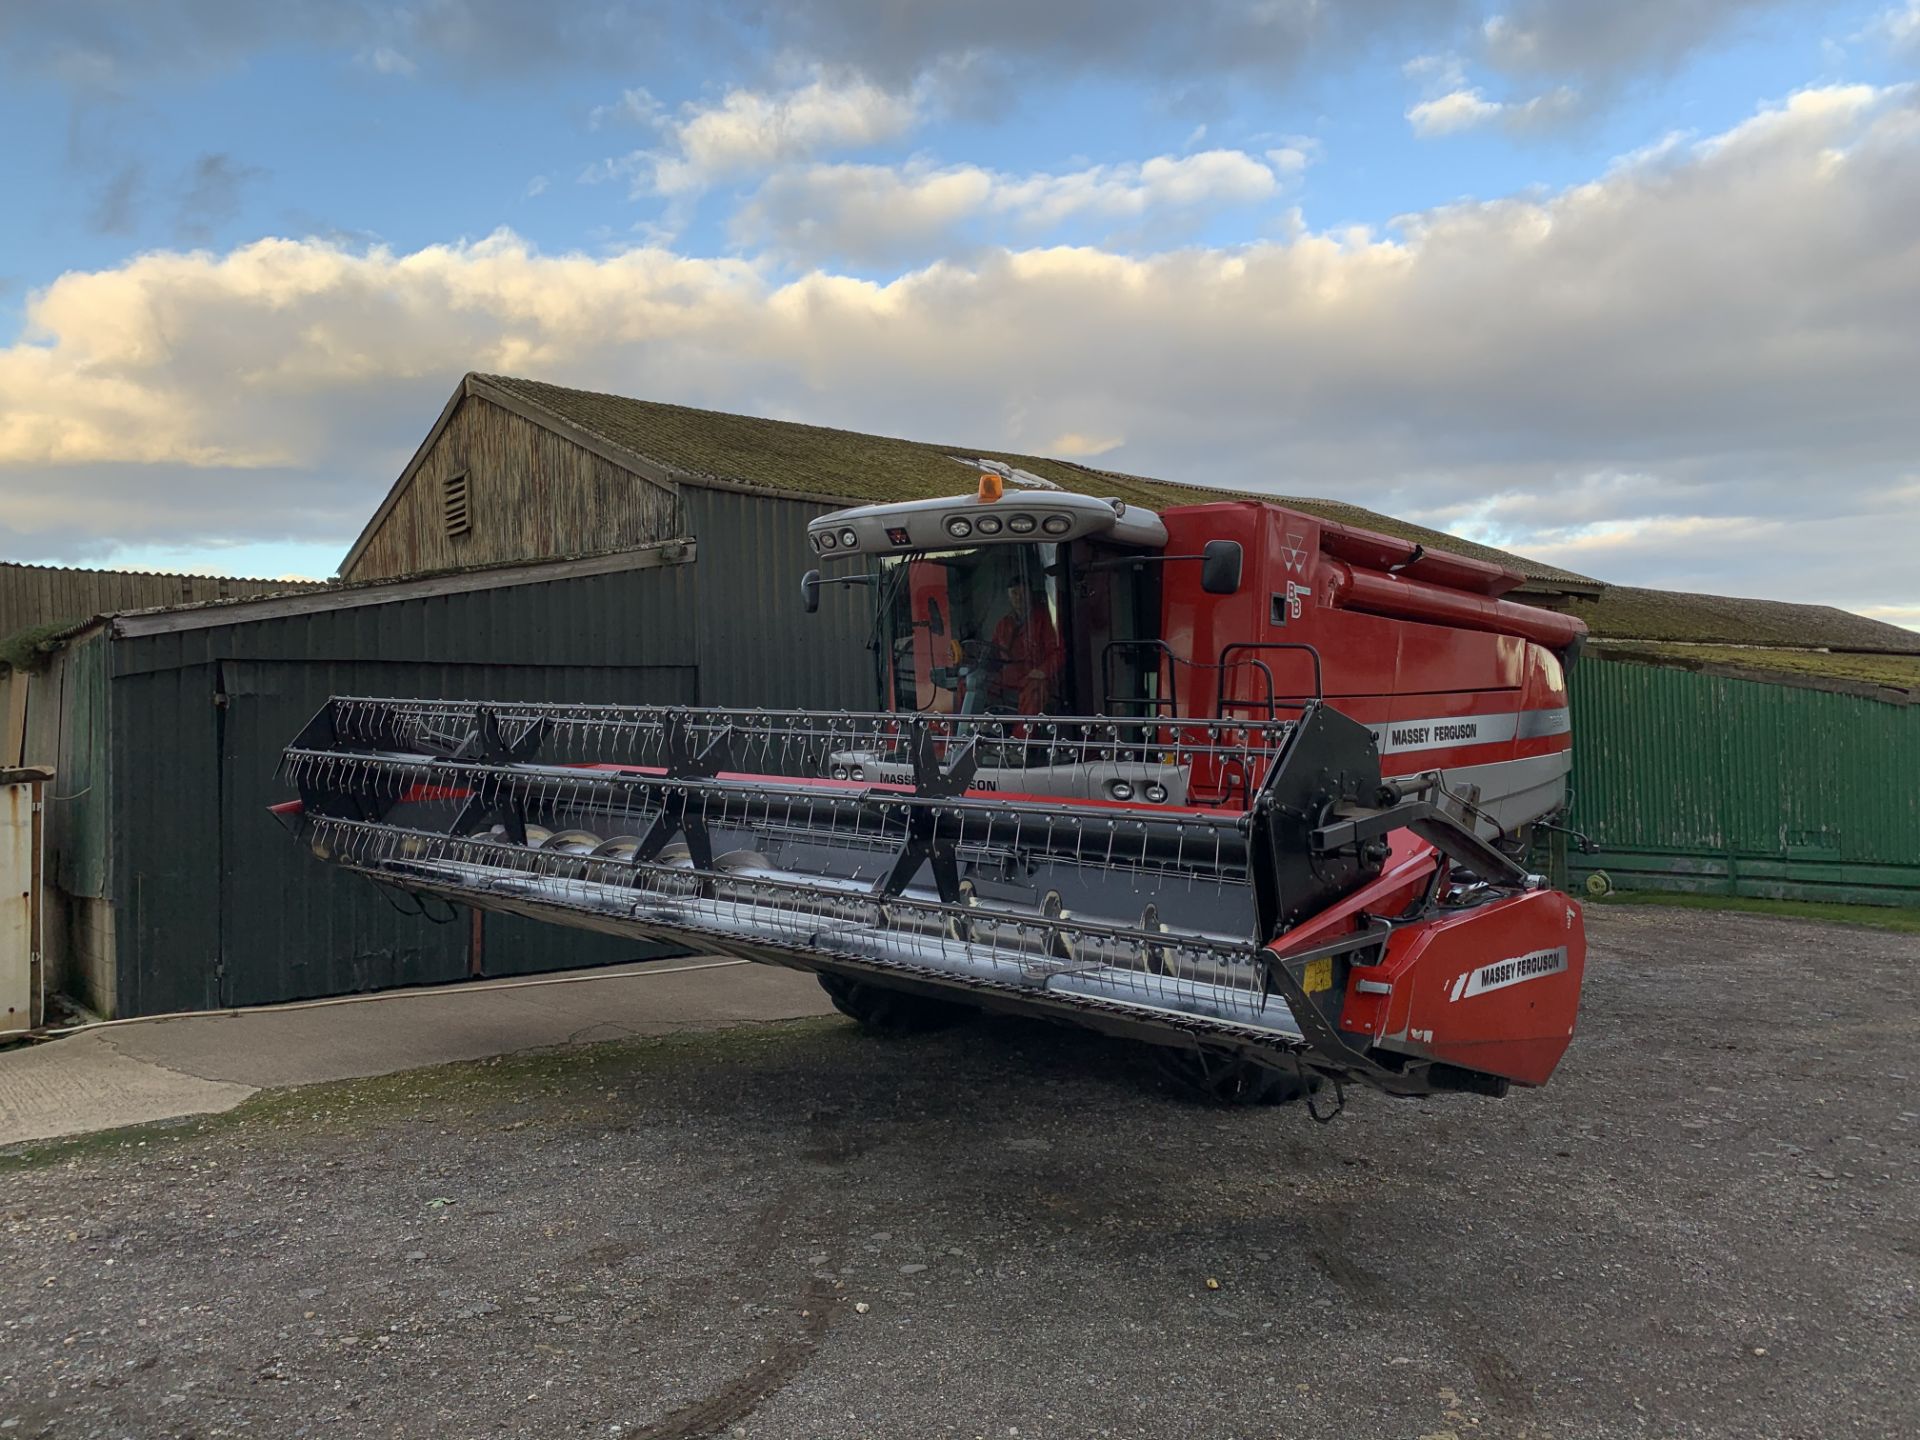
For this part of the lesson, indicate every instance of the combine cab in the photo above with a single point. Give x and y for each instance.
(1247, 785)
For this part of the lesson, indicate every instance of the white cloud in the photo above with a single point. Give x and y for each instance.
(867, 213)
(634, 107)
(1715, 342)
(880, 212)
(1828, 115)
(1454, 111)
(385, 60)
(1468, 108)
(1437, 72)
(1451, 104)
(749, 132)
(1072, 445)
(1128, 192)
(1899, 28)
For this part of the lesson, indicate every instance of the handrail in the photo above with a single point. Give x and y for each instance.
(1225, 664)
(1168, 703)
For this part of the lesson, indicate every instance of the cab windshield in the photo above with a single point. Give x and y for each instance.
(973, 632)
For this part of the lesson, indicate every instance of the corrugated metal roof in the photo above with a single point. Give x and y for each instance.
(1626, 613)
(257, 583)
(340, 595)
(33, 597)
(786, 457)
(347, 595)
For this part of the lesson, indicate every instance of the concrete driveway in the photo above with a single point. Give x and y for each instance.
(125, 1074)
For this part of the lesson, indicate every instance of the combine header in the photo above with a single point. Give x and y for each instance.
(1269, 816)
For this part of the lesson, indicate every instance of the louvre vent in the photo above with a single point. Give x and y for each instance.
(454, 509)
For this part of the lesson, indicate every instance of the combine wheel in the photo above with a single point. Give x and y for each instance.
(1228, 1079)
(886, 1011)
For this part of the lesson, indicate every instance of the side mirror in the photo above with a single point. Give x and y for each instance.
(1220, 562)
(810, 591)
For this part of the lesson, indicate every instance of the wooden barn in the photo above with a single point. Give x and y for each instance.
(517, 470)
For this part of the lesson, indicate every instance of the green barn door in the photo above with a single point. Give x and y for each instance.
(291, 927)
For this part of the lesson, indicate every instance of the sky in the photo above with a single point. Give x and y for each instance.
(1628, 286)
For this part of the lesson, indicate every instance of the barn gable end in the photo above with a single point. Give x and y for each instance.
(490, 487)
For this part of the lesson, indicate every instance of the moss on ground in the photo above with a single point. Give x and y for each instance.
(460, 1091)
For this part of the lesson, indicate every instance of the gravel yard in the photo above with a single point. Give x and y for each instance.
(1707, 1225)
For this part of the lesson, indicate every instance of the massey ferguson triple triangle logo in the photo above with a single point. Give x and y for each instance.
(1295, 553)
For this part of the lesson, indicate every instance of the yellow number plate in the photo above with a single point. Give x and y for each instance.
(1318, 975)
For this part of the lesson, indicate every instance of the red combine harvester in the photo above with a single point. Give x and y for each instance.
(1251, 786)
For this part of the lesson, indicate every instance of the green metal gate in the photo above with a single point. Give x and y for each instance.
(1702, 783)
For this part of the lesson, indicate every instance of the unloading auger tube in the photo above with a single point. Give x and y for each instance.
(1321, 922)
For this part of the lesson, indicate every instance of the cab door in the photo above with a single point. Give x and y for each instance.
(930, 608)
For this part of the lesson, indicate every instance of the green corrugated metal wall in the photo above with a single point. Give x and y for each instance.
(757, 646)
(216, 907)
(74, 693)
(219, 907)
(1693, 782)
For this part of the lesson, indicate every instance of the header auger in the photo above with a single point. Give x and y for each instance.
(1273, 846)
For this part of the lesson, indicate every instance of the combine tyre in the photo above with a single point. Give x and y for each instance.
(888, 1010)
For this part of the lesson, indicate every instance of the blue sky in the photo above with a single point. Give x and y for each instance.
(642, 199)
(321, 140)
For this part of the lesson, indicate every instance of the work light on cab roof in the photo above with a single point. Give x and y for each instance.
(1253, 787)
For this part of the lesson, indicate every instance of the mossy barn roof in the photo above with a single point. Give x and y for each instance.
(1625, 613)
(687, 445)
(786, 457)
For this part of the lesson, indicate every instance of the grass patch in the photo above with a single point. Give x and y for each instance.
(1872, 917)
